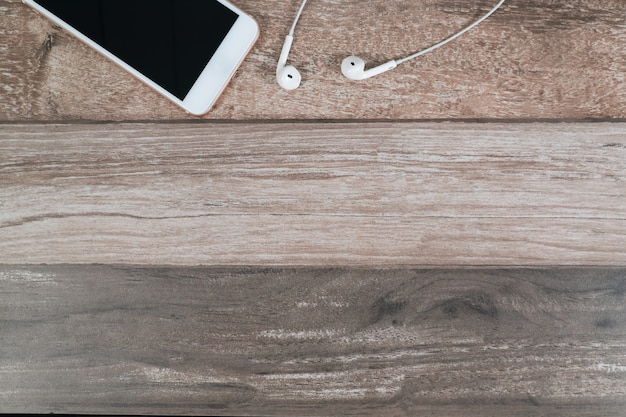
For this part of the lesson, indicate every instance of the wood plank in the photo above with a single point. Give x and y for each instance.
(314, 194)
(313, 341)
(531, 60)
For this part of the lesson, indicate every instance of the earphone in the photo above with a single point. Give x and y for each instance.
(353, 67)
(288, 76)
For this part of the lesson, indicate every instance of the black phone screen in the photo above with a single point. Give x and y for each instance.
(168, 41)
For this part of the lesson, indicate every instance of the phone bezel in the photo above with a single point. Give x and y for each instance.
(215, 76)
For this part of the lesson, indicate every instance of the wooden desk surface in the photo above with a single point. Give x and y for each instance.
(530, 60)
(447, 239)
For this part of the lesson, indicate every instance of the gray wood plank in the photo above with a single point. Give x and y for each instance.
(314, 194)
(313, 341)
(530, 60)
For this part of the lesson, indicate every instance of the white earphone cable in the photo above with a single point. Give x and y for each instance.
(295, 21)
(451, 38)
(353, 67)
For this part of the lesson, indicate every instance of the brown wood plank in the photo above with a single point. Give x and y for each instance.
(314, 194)
(532, 59)
(313, 341)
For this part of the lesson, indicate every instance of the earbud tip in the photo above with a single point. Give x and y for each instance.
(352, 67)
(288, 77)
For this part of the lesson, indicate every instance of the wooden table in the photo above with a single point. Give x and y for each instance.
(446, 239)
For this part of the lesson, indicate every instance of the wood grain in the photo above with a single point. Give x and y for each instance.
(325, 320)
(313, 341)
(314, 194)
(531, 60)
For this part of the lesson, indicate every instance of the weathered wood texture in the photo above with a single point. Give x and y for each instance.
(314, 194)
(374, 340)
(241, 341)
(532, 59)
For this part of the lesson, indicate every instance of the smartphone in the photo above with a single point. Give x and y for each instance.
(188, 50)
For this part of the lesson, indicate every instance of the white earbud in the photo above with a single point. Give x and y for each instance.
(353, 67)
(287, 76)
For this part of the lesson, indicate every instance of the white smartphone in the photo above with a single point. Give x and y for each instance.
(188, 50)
